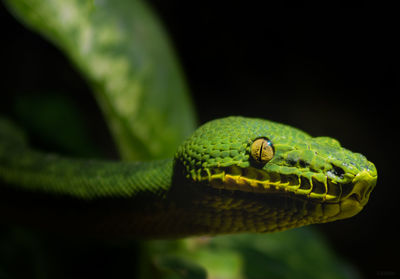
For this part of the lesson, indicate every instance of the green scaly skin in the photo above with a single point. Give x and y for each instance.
(212, 186)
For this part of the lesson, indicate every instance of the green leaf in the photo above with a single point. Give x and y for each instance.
(297, 253)
(177, 267)
(123, 53)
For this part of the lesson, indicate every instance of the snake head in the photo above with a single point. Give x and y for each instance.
(322, 180)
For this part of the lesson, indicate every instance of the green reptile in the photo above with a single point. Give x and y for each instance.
(231, 175)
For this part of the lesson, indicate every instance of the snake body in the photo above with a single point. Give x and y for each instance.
(218, 182)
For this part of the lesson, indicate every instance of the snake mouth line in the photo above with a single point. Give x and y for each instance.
(318, 187)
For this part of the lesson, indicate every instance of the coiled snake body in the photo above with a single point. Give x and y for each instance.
(232, 175)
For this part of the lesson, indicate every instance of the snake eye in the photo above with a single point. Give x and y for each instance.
(262, 150)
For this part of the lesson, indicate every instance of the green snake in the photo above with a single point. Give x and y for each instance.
(231, 175)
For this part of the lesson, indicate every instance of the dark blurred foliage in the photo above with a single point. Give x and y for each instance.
(331, 73)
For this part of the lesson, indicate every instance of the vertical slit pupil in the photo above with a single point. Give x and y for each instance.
(261, 150)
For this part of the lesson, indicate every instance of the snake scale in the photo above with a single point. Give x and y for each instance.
(231, 175)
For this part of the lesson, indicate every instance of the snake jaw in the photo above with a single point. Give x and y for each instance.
(316, 187)
(338, 200)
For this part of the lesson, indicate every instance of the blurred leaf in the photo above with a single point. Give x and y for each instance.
(298, 253)
(122, 51)
(177, 267)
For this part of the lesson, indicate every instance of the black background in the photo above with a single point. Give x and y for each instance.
(330, 73)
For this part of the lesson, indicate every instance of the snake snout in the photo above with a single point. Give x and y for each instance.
(353, 202)
(364, 182)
